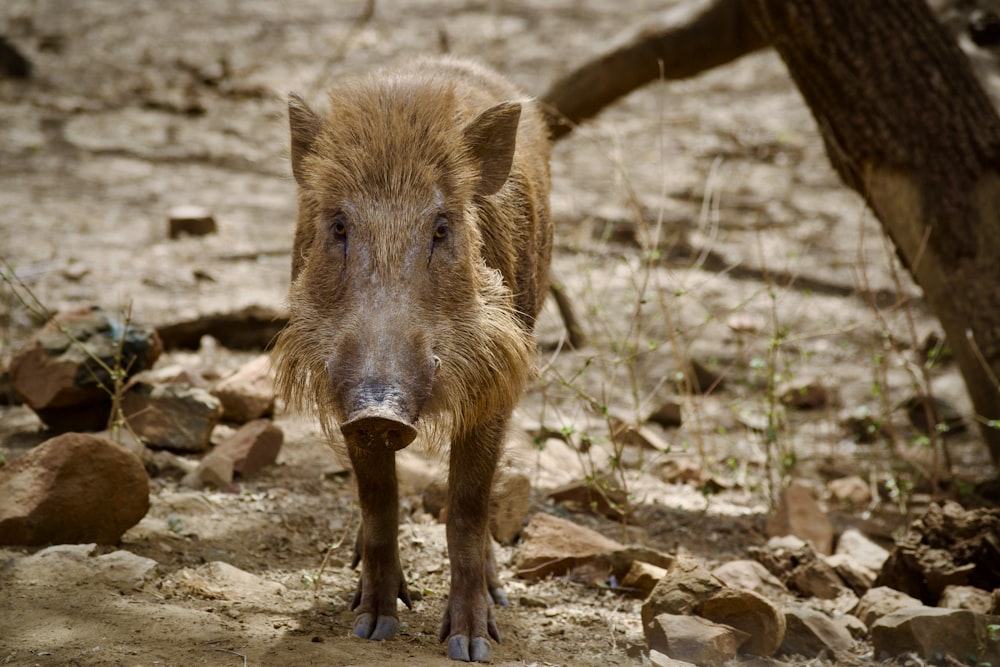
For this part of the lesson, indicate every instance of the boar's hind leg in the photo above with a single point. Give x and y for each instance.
(492, 578)
(468, 619)
(377, 547)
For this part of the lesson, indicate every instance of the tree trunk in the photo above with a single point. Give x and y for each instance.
(907, 124)
(681, 44)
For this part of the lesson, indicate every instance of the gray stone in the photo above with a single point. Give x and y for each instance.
(966, 597)
(932, 631)
(881, 601)
(749, 575)
(861, 550)
(693, 639)
(809, 632)
(64, 374)
(171, 416)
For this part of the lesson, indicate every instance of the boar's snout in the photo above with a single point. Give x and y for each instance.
(378, 428)
(381, 391)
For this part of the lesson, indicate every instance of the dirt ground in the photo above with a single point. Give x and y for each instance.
(695, 219)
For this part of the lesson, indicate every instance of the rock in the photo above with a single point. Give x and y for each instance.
(745, 610)
(71, 565)
(861, 550)
(247, 393)
(510, 501)
(749, 575)
(693, 639)
(702, 378)
(603, 496)
(173, 374)
(931, 632)
(642, 577)
(667, 415)
(171, 416)
(64, 374)
(809, 632)
(125, 439)
(215, 469)
(70, 489)
(125, 570)
(851, 490)
(856, 577)
(251, 328)
(683, 470)
(625, 433)
(657, 659)
(966, 597)
(252, 447)
(947, 546)
(686, 585)
(191, 220)
(221, 581)
(854, 626)
(881, 601)
(13, 64)
(947, 420)
(167, 464)
(435, 499)
(556, 546)
(811, 396)
(799, 514)
(800, 568)
(744, 322)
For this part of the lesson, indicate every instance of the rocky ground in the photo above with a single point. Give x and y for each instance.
(696, 221)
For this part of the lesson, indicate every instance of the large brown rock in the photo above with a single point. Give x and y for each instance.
(882, 601)
(555, 546)
(693, 639)
(247, 393)
(63, 373)
(808, 633)
(749, 612)
(74, 488)
(686, 585)
(800, 515)
(252, 447)
(934, 631)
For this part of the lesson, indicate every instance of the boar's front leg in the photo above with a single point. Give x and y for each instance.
(377, 547)
(468, 619)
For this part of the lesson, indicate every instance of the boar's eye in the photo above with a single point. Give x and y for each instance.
(338, 225)
(440, 229)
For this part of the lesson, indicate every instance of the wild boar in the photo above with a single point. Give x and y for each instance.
(420, 262)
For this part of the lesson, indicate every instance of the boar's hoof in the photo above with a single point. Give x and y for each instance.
(384, 627)
(378, 429)
(460, 648)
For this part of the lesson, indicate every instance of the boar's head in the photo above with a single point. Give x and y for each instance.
(397, 322)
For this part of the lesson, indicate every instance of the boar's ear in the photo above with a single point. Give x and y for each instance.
(492, 136)
(305, 125)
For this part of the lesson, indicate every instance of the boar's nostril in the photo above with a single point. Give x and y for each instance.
(378, 429)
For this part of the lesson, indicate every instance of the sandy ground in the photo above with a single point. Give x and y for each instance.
(695, 219)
